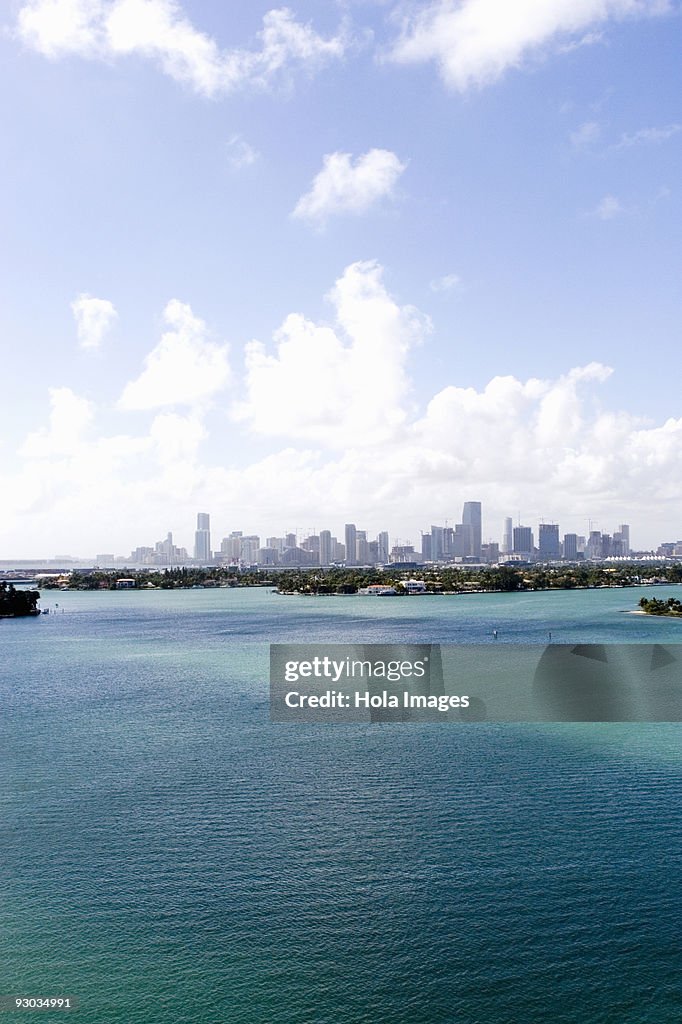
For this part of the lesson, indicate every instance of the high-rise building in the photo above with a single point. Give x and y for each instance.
(624, 531)
(202, 538)
(325, 547)
(382, 548)
(463, 542)
(471, 516)
(570, 547)
(351, 544)
(594, 545)
(523, 541)
(426, 547)
(437, 544)
(361, 547)
(549, 548)
(507, 537)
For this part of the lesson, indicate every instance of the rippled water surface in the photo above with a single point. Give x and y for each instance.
(168, 854)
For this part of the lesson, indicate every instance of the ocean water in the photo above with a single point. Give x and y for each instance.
(168, 854)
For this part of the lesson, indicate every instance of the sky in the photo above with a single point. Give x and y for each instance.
(334, 262)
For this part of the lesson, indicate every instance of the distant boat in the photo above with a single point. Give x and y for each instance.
(377, 590)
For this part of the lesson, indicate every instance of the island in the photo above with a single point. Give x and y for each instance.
(15, 603)
(653, 606)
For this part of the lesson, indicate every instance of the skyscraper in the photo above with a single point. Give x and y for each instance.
(351, 544)
(507, 539)
(202, 538)
(382, 548)
(325, 547)
(548, 543)
(523, 541)
(471, 516)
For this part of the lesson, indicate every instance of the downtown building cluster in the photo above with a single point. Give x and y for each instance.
(461, 543)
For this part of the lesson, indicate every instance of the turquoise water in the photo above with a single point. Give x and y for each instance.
(168, 854)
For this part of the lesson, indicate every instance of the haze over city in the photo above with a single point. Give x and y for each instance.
(350, 261)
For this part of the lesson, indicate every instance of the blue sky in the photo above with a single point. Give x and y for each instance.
(344, 261)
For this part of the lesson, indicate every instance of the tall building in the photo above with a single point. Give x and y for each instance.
(471, 516)
(549, 548)
(594, 545)
(570, 547)
(202, 538)
(361, 547)
(523, 541)
(507, 537)
(463, 542)
(325, 547)
(382, 548)
(426, 547)
(351, 544)
(624, 531)
(437, 543)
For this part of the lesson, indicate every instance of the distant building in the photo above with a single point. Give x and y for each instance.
(549, 548)
(570, 547)
(325, 547)
(361, 548)
(426, 547)
(382, 548)
(471, 516)
(507, 537)
(351, 544)
(202, 538)
(523, 541)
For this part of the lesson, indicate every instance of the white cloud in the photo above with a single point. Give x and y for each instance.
(94, 318)
(183, 369)
(448, 283)
(648, 135)
(339, 385)
(475, 41)
(585, 135)
(346, 187)
(240, 153)
(346, 441)
(608, 208)
(70, 417)
(159, 31)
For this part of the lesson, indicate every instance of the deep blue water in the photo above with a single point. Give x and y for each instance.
(168, 854)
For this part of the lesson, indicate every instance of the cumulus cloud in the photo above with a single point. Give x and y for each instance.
(159, 31)
(183, 369)
(474, 42)
(70, 416)
(94, 318)
(344, 186)
(338, 385)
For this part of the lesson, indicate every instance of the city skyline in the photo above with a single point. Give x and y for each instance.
(459, 543)
(361, 256)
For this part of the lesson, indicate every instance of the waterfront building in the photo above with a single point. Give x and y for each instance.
(382, 548)
(426, 547)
